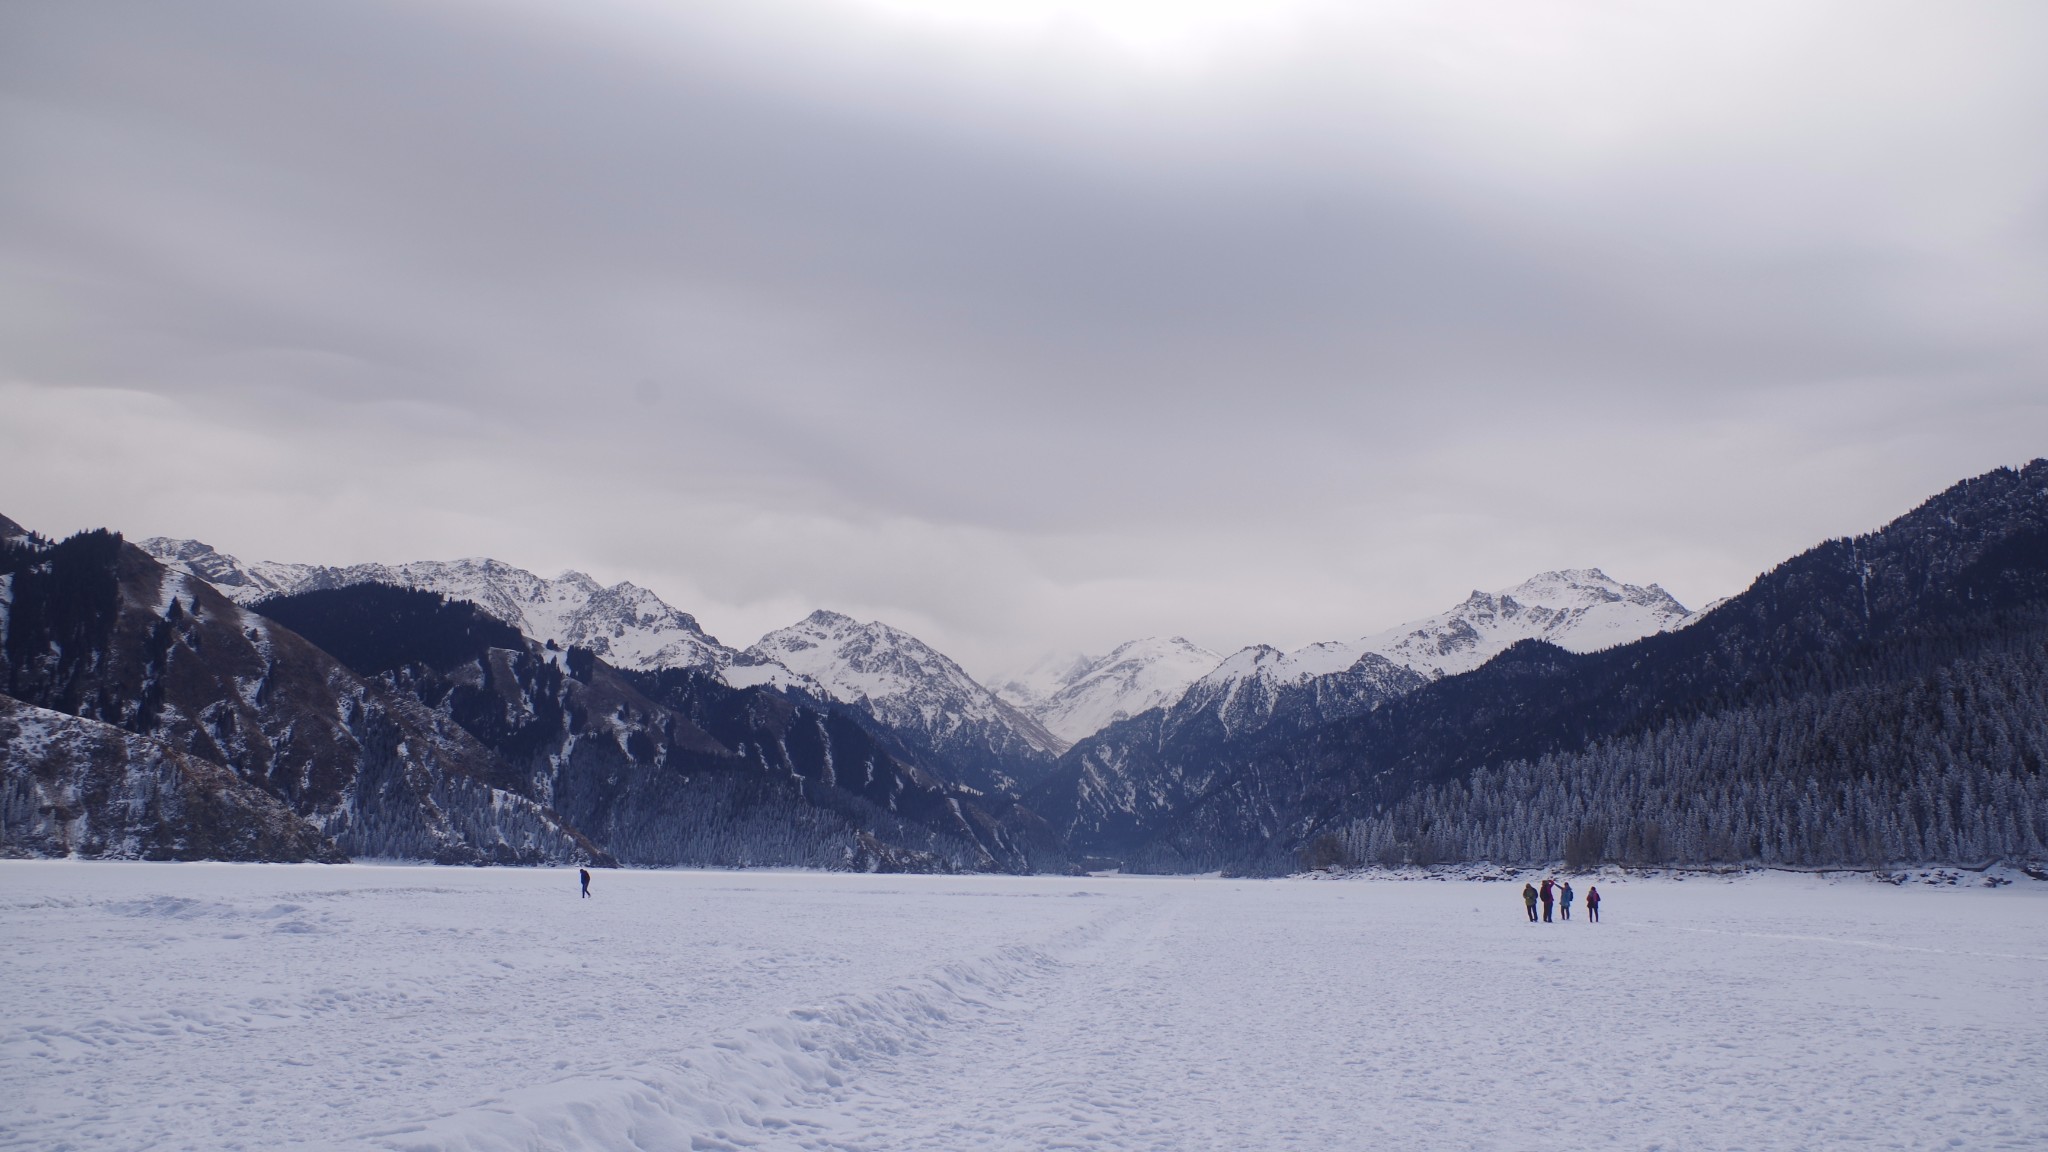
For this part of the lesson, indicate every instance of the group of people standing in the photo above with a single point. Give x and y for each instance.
(1554, 893)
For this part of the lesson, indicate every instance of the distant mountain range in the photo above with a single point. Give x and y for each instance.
(1875, 699)
(997, 740)
(938, 708)
(151, 716)
(1580, 610)
(627, 625)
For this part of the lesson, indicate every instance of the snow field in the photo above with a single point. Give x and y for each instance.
(266, 1006)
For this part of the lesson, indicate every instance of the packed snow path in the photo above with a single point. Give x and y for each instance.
(217, 1006)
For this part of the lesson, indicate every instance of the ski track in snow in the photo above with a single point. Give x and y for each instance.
(419, 1009)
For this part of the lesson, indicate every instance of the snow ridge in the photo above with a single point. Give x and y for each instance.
(912, 687)
(904, 681)
(626, 625)
(1577, 609)
(906, 684)
(1249, 687)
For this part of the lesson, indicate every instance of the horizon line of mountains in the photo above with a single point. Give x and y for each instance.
(1875, 700)
(907, 682)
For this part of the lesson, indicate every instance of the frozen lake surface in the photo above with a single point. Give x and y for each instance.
(204, 1006)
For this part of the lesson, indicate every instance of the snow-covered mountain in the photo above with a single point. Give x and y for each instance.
(1078, 696)
(1122, 786)
(918, 691)
(940, 712)
(985, 740)
(626, 625)
(1248, 687)
(1578, 609)
(242, 581)
(165, 656)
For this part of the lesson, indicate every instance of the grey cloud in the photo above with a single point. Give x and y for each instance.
(1026, 342)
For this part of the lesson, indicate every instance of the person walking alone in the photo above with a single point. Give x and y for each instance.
(1529, 900)
(1549, 894)
(1564, 900)
(1592, 905)
(584, 874)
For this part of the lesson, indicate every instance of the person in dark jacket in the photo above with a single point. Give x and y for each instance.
(1564, 900)
(584, 875)
(1592, 905)
(1529, 900)
(1549, 894)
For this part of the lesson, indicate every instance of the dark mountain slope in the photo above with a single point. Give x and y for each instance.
(1964, 569)
(662, 768)
(1118, 794)
(841, 750)
(376, 628)
(96, 629)
(1950, 765)
(1812, 661)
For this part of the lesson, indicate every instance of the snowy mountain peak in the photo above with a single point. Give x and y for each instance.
(580, 581)
(910, 686)
(1578, 609)
(1246, 661)
(242, 583)
(876, 662)
(1577, 588)
(1092, 693)
(629, 626)
(1252, 684)
(823, 626)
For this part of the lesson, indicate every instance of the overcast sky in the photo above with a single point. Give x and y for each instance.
(1027, 326)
